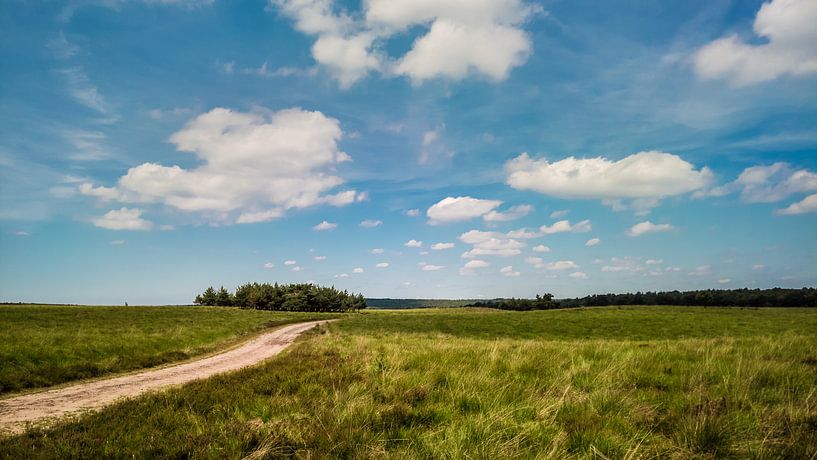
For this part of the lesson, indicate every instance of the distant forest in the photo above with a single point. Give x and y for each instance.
(283, 297)
(777, 297)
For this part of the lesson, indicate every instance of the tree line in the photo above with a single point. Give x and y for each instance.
(776, 297)
(283, 297)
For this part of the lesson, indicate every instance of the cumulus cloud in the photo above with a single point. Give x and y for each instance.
(578, 275)
(483, 38)
(457, 209)
(357, 270)
(472, 266)
(490, 244)
(592, 242)
(541, 248)
(654, 261)
(22, 233)
(319, 258)
(623, 264)
(413, 244)
(807, 205)
(431, 268)
(565, 226)
(122, 219)
(509, 271)
(377, 251)
(787, 26)
(413, 212)
(324, 226)
(442, 246)
(290, 262)
(513, 213)
(767, 184)
(382, 265)
(641, 176)
(370, 223)
(256, 165)
(648, 227)
(561, 265)
(297, 269)
(342, 275)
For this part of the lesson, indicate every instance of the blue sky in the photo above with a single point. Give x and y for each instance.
(404, 148)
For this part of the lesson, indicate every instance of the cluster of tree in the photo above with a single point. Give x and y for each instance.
(777, 297)
(398, 304)
(541, 302)
(283, 297)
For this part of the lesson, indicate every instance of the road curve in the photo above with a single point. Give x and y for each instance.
(16, 413)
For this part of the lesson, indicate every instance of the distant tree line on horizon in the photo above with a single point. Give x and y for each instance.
(776, 297)
(283, 297)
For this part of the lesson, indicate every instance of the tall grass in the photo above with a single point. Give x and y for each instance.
(46, 345)
(708, 384)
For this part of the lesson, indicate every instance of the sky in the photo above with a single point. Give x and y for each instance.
(405, 148)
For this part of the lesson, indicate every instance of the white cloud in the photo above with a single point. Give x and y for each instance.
(509, 271)
(490, 244)
(625, 264)
(254, 164)
(382, 265)
(269, 265)
(541, 248)
(62, 48)
(377, 251)
(290, 262)
(117, 242)
(701, 270)
(807, 205)
(648, 227)
(357, 270)
(324, 226)
(297, 269)
(786, 27)
(592, 242)
(513, 213)
(84, 92)
(369, 223)
(260, 216)
(458, 209)
(758, 267)
(22, 233)
(442, 246)
(123, 219)
(654, 261)
(464, 38)
(578, 275)
(565, 226)
(472, 266)
(413, 212)
(413, 244)
(342, 275)
(767, 184)
(523, 234)
(559, 213)
(561, 265)
(319, 258)
(724, 281)
(431, 268)
(644, 175)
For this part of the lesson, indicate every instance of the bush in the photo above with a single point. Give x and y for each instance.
(284, 297)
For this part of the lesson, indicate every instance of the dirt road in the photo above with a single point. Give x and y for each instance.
(17, 412)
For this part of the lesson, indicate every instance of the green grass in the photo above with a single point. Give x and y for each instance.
(647, 382)
(42, 345)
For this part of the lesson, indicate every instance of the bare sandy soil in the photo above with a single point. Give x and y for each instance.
(17, 413)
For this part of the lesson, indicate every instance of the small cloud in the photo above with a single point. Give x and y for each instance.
(431, 268)
(701, 270)
(357, 270)
(457, 209)
(324, 226)
(559, 213)
(513, 213)
(123, 219)
(578, 275)
(290, 262)
(654, 261)
(471, 266)
(297, 268)
(22, 233)
(508, 271)
(561, 265)
(413, 212)
(413, 244)
(117, 242)
(541, 248)
(382, 265)
(592, 242)
(369, 223)
(724, 281)
(648, 227)
(758, 267)
(269, 265)
(806, 206)
(565, 226)
(442, 246)
(319, 257)
(377, 251)
(342, 275)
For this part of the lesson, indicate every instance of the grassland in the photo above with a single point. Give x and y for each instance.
(641, 382)
(42, 345)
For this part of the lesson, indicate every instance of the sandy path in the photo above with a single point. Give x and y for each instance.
(17, 412)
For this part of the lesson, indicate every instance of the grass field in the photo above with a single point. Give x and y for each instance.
(640, 382)
(46, 345)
